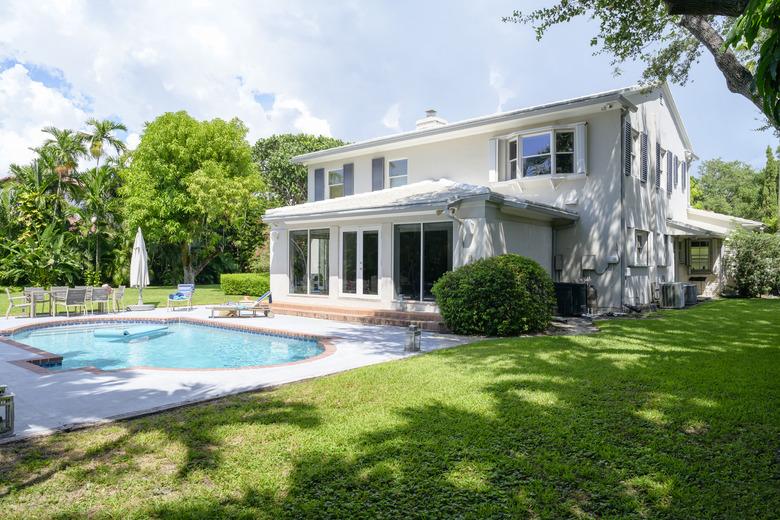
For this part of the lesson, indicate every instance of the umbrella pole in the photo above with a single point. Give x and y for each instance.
(140, 295)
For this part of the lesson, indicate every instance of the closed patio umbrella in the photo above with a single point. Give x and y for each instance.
(139, 266)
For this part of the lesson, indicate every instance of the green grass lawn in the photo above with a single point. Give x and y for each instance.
(204, 294)
(675, 417)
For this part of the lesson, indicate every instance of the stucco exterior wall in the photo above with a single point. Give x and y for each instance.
(598, 249)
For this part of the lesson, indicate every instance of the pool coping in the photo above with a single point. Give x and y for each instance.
(43, 357)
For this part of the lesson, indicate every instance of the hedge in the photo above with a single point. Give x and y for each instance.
(752, 263)
(500, 296)
(251, 284)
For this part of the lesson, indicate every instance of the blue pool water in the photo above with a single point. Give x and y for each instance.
(182, 345)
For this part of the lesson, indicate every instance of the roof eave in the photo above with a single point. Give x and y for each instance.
(599, 99)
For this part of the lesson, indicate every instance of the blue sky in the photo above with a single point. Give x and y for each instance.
(350, 69)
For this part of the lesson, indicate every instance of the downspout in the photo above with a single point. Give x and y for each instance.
(623, 240)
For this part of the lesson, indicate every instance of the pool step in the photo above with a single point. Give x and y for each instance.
(430, 321)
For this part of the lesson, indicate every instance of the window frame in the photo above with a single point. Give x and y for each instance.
(328, 171)
(552, 131)
(509, 159)
(690, 246)
(390, 179)
(308, 292)
(636, 159)
(642, 256)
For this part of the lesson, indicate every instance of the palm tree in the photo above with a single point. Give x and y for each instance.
(64, 148)
(98, 204)
(102, 135)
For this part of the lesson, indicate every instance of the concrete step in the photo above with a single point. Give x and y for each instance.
(430, 321)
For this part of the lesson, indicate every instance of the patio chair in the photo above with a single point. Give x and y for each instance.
(37, 295)
(56, 292)
(87, 291)
(182, 296)
(235, 310)
(74, 298)
(17, 302)
(100, 296)
(118, 299)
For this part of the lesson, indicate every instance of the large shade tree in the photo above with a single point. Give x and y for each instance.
(284, 180)
(191, 184)
(669, 37)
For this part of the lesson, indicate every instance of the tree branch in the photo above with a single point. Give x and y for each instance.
(201, 266)
(732, 8)
(739, 80)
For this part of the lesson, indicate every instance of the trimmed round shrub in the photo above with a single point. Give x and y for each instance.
(504, 295)
(250, 284)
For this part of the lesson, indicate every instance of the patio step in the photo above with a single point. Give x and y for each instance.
(430, 321)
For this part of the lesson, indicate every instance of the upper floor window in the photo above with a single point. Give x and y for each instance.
(398, 172)
(335, 183)
(537, 154)
(564, 152)
(541, 154)
(512, 164)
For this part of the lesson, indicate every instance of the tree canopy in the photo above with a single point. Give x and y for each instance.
(285, 181)
(746, 50)
(736, 188)
(190, 183)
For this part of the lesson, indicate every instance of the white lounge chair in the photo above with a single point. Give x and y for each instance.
(235, 310)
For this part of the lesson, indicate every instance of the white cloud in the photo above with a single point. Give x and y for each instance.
(503, 92)
(132, 140)
(392, 118)
(328, 67)
(26, 106)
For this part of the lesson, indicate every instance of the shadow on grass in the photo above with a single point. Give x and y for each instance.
(676, 417)
(194, 428)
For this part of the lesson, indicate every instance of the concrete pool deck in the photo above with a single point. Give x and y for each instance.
(47, 402)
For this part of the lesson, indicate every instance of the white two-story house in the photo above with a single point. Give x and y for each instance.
(595, 189)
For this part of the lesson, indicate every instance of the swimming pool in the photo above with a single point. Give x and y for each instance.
(182, 345)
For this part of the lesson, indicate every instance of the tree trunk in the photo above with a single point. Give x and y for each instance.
(190, 269)
(186, 264)
(739, 80)
(704, 7)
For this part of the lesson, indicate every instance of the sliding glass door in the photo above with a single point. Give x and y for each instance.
(309, 261)
(360, 262)
(422, 253)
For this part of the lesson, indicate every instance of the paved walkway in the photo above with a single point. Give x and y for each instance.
(47, 402)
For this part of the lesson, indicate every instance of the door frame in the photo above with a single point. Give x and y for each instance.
(359, 265)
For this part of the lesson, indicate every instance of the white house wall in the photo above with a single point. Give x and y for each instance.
(598, 248)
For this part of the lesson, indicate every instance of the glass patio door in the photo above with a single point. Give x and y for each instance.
(360, 262)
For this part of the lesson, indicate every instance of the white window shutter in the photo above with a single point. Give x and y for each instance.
(581, 148)
(493, 160)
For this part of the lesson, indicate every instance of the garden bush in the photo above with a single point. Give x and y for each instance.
(752, 263)
(500, 296)
(252, 284)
